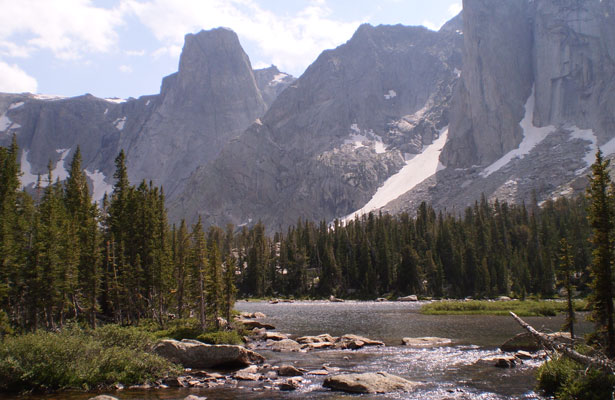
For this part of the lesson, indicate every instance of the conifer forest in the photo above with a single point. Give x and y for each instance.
(63, 257)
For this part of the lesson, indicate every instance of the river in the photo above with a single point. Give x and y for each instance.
(449, 372)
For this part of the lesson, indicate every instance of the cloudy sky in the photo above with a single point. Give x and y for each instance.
(122, 48)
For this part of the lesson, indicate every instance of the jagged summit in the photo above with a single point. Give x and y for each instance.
(334, 135)
(212, 98)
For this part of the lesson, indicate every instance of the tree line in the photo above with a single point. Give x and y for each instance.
(64, 257)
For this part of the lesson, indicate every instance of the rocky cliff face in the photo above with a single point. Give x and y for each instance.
(536, 99)
(562, 49)
(211, 99)
(332, 137)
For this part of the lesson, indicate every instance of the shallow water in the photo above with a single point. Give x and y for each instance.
(449, 372)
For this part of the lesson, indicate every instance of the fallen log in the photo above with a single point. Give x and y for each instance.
(600, 362)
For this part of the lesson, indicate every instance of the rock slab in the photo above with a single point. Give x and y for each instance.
(369, 382)
(194, 354)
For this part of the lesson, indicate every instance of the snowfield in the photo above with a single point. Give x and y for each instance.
(416, 170)
(532, 136)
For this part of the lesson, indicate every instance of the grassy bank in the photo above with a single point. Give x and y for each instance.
(526, 308)
(81, 358)
(78, 359)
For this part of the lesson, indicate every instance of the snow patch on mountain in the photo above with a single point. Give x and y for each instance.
(416, 170)
(115, 100)
(5, 123)
(27, 177)
(60, 171)
(119, 123)
(100, 187)
(16, 105)
(359, 139)
(390, 95)
(47, 97)
(278, 78)
(531, 137)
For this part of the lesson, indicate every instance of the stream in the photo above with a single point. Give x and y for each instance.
(449, 372)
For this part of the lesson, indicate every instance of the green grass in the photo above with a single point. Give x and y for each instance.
(526, 308)
(77, 359)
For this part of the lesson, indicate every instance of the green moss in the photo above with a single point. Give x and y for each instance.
(524, 308)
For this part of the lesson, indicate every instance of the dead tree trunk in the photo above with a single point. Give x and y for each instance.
(600, 362)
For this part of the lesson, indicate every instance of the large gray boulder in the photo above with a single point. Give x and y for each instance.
(370, 382)
(194, 354)
(526, 342)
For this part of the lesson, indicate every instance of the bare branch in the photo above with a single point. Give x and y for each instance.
(601, 362)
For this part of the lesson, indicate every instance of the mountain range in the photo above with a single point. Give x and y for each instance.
(510, 99)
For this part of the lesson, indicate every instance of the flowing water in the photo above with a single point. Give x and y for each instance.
(449, 372)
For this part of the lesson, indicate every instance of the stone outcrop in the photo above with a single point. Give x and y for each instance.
(214, 96)
(370, 382)
(194, 354)
(335, 134)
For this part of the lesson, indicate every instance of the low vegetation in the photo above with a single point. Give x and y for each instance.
(568, 380)
(526, 308)
(79, 359)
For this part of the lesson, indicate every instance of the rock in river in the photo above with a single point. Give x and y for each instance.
(525, 341)
(426, 341)
(194, 354)
(369, 382)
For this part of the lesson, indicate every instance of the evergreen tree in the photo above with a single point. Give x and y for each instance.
(566, 271)
(601, 220)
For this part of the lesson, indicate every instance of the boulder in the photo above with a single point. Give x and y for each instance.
(354, 342)
(370, 382)
(285, 345)
(103, 397)
(426, 341)
(194, 354)
(289, 370)
(324, 338)
(524, 355)
(526, 342)
(412, 297)
(250, 324)
(247, 374)
(273, 336)
(290, 384)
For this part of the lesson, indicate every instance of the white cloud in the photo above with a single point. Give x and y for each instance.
(135, 53)
(15, 80)
(430, 25)
(454, 9)
(289, 41)
(125, 69)
(68, 28)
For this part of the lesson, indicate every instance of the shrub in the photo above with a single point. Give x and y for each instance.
(72, 358)
(568, 380)
(221, 337)
(178, 329)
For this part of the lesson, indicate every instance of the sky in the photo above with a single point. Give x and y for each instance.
(123, 48)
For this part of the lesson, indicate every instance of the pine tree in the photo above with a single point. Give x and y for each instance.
(199, 268)
(601, 220)
(566, 272)
(230, 289)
